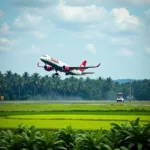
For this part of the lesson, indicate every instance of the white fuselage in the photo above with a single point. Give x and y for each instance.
(58, 65)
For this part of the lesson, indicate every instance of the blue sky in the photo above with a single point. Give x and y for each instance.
(115, 33)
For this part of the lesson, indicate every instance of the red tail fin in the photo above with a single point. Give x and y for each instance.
(83, 65)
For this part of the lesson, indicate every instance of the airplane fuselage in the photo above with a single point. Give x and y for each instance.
(58, 65)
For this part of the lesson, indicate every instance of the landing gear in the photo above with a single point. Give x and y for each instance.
(67, 73)
(56, 74)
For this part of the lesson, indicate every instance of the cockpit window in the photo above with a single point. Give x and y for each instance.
(44, 55)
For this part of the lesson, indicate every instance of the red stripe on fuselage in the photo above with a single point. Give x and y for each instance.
(54, 60)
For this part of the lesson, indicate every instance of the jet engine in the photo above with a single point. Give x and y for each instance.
(66, 68)
(48, 68)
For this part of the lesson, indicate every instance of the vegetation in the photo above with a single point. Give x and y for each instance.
(79, 116)
(14, 86)
(136, 106)
(120, 137)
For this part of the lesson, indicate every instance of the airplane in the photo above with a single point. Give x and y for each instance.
(54, 64)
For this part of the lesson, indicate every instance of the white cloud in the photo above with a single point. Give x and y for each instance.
(39, 35)
(18, 23)
(1, 13)
(5, 29)
(125, 40)
(89, 35)
(6, 44)
(27, 20)
(33, 19)
(124, 20)
(91, 48)
(80, 13)
(148, 50)
(4, 41)
(125, 52)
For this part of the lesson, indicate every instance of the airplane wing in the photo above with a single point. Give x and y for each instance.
(86, 67)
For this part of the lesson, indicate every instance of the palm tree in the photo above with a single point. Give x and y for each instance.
(68, 136)
(133, 137)
(49, 141)
(35, 80)
(8, 140)
(2, 84)
(93, 141)
(47, 85)
(26, 79)
(28, 138)
(9, 84)
(19, 84)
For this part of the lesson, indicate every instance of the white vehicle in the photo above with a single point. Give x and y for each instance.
(54, 64)
(120, 97)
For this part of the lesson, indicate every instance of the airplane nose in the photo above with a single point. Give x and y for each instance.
(41, 58)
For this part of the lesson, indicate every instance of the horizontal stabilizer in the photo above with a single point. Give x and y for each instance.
(88, 73)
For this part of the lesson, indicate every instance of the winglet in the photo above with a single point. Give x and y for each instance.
(98, 64)
(38, 64)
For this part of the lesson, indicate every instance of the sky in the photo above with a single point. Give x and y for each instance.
(114, 33)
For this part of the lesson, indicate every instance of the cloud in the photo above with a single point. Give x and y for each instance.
(78, 18)
(148, 50)
(125, 52)
(1, 13)
(4, 41)
(33, 19)
(18, 23)
(91, 48)
(90, 34)
(7, 44)
(39, 35)
(124, 20)
(125, 40)
(5, 29)
(27, 21)
(80, 13)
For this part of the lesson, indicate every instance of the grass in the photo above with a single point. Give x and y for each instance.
(55, 124)
(145, 106)
(126, 113)
(79, 116)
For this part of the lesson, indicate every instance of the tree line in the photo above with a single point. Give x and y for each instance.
(23, 87)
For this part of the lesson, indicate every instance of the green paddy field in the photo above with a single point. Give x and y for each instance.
(86, 115)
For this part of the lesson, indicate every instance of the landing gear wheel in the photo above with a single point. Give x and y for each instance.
(56, 74)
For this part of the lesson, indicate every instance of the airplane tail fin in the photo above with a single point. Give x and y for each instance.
(83, 65)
